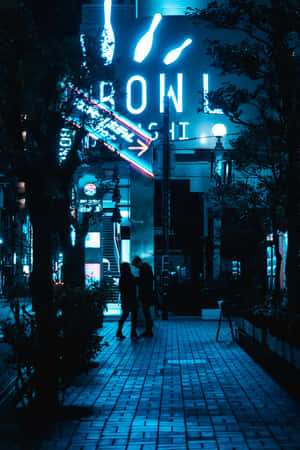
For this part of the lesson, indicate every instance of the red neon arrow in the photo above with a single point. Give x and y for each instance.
(143, 147)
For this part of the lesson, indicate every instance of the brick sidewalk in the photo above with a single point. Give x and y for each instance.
(179, 390)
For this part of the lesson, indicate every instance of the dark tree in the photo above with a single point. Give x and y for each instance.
(39, 56)
(261, 40)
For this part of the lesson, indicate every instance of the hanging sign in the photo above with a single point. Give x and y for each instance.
(118, 133)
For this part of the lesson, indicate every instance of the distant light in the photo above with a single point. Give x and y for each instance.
(90, 189)
(73, 236)
(26, 268)
(21, 187)
(92, 240)
(174, 54)
(1, 240)
(219, 130)
(144, 45)
(21, 202)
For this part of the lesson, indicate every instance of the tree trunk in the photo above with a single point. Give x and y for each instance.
(75, 256)
(80, 253)
(46, 377)
(277, 291)
(293, 215)
(74, 274)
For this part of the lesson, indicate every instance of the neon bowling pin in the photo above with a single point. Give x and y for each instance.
(108, 37)
(173, 55)
(145, 43)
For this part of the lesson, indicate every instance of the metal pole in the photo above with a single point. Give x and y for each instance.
(165, 179)
(165, 207)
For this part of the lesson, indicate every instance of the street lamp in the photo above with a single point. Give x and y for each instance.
(219, 131)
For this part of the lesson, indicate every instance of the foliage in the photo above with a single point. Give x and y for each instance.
(258, 50)
(40, 54)
(78, 317)
(104, 289)
(263, 38)
(278, 321)
(262, 52)
(38, 59)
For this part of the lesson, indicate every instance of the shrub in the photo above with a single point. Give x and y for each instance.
(277, 320)
(78, 317)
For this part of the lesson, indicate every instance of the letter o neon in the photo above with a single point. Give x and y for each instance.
(141, 108)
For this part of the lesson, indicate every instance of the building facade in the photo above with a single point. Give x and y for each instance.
(162, 78)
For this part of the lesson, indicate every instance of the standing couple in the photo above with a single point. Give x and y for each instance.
(129, 303)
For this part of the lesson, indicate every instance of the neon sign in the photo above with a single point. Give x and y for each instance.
(174, 54)
(169, 65)
(64, 144)
(108, 37)
(144, 45)
(118, 133)
(206, 108)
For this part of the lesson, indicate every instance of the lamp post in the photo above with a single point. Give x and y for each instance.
(219, 131)
(164, 283)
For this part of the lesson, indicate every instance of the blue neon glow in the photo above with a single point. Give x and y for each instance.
(73, 236)
(114, 130)
(183, 125)
(65, 144)
(143, 84)
(174, 54)
(107, 92)
(83, 47)
(171, 94)
(206, 108)
(144, 45)
(121, 119)
(108, 37)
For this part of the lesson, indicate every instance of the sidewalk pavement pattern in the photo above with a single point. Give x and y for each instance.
(178, 390)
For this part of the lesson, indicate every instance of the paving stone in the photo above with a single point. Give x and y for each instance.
(179, 390)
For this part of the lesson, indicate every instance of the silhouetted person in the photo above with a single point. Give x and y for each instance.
(127, 287)
(146, 294)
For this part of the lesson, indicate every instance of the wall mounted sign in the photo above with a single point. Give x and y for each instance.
(87, 206)
(161, 56)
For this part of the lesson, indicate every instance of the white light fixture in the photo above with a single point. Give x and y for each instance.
(219, 130)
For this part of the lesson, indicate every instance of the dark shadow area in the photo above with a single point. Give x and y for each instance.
(30, 417)
(280, 370)
(183, 299)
